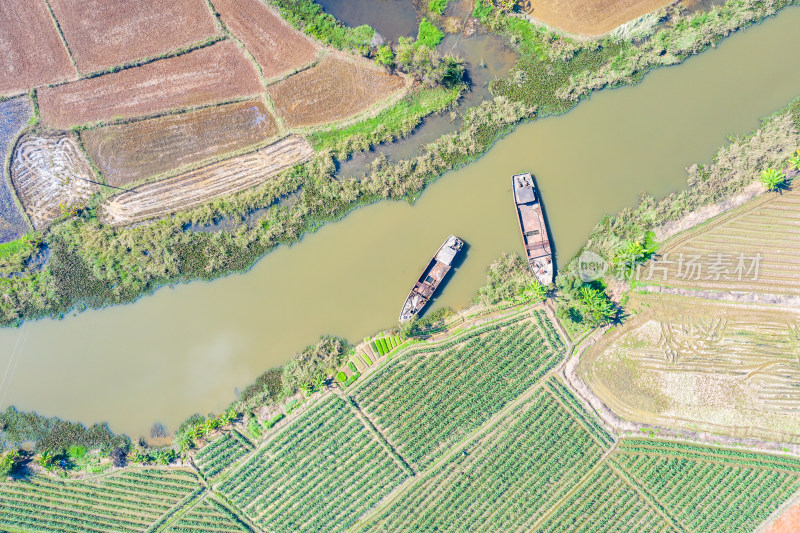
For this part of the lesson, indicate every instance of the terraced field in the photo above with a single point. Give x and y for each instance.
(336, 88)
(130, 152)
(212, 74)
(754, 249)
(103, 34)
(702, 365)
(14, 115)
(276, 46)
(319, 474)
(455, 390)
(130, 501)
(50, 173)
(158, 199)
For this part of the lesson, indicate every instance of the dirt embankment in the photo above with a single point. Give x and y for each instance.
(589, 17)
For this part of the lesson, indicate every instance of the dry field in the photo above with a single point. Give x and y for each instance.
(277, 47)
(154, 200)
(32, 52)
(101, 34)
(788, 522)
(14, 115)
(49, 172)
(702, 365)
(753, 249)
(336, 88)
(212, 74)
(130, 152)
(589, 17)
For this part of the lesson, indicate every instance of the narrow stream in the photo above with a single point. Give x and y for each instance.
(186, 349)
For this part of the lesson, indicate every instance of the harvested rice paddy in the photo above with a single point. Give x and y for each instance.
(14, 115)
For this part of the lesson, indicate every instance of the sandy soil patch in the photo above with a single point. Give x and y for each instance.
(32, 52)
(336, 88)
(158, 199)
(49, 172)
(788, 522)
(212, 74)
(277, 47)
(101, 34)
(130, 152)
(589, 17)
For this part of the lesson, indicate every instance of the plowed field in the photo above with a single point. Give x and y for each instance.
(101, 34)
(589, 17)
(49, 172)
(130, 152)
(161, 198)
(208, 75)
(276, 46)
(14, 114)
(334, 89)
(32, 53)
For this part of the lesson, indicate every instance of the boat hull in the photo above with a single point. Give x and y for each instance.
(533, 228)
(431, 277)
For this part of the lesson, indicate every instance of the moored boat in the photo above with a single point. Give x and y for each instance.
(533, 226)
(431, 278)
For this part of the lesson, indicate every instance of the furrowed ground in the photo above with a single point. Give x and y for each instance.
(14, 115)
(130, 152)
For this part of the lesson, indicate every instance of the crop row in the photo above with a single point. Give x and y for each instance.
(604, 502)
(700, 493)
(431, 401)
(208, 516)
(573, 406)
(222, 453)
(319, 474)
(502, 482)
(549, 330)
(384, 345)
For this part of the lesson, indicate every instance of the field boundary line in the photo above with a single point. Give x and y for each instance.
(657, 504)
(180, 512)
(575, 419)
(62, 38)
(479, 432)
(166, 518)
(213, 495)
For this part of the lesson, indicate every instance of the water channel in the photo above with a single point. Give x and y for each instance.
(187, 348)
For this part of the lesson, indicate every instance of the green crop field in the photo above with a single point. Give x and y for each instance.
(319, 474)
(132, 500)
(225, 450)
(433, 399)
(208, 516)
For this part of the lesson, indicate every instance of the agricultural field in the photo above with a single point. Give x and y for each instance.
(319, 474)
(50, 174)
(753, 249)
(14, 115)
(588, 17)
(210, 516)
(130, 152)
(455, 389)
(161, 198)
(103, 34)
(133, 500)
(33, 53)
(334, 89)
(221, 453)
(276, 46)
(209, 75)
(713, 366)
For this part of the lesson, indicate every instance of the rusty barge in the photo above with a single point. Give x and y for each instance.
(431, 278)
(533, 226)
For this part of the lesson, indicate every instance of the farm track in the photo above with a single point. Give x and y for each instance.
(103, 34)
(212, 74)
(127, 153)
(48, 173)
(158, 199)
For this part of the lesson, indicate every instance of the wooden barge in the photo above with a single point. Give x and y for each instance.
(533, 227)
(431, 278)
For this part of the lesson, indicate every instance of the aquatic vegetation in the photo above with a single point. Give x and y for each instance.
(429, 35)
(309, 17)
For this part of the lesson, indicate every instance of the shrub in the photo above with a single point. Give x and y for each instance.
(341, 377)
(437, 6)
(772, 179)
(352, 366)
(429, 35)
(269, 424)
(253, 428)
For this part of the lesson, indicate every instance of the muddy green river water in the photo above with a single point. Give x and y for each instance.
(188, 348)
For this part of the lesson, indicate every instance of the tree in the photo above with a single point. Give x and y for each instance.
(595, 305)
(534, 291)
(384, 56)
(794, 160)
(8, 463)
(119, 457)
(772, 179)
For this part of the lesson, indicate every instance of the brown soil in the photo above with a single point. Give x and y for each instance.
(277, 47)
(158, 199)
(212, 74)
(589, 17)
(31, 50)
(49, 172)
(101, 34)
(788, 522)
(130, 152)
(335, 89)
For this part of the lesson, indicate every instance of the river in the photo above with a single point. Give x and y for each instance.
(187, 348)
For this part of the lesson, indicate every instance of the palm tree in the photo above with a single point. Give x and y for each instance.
(306, 388)
(772, 179)
(319, 382)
